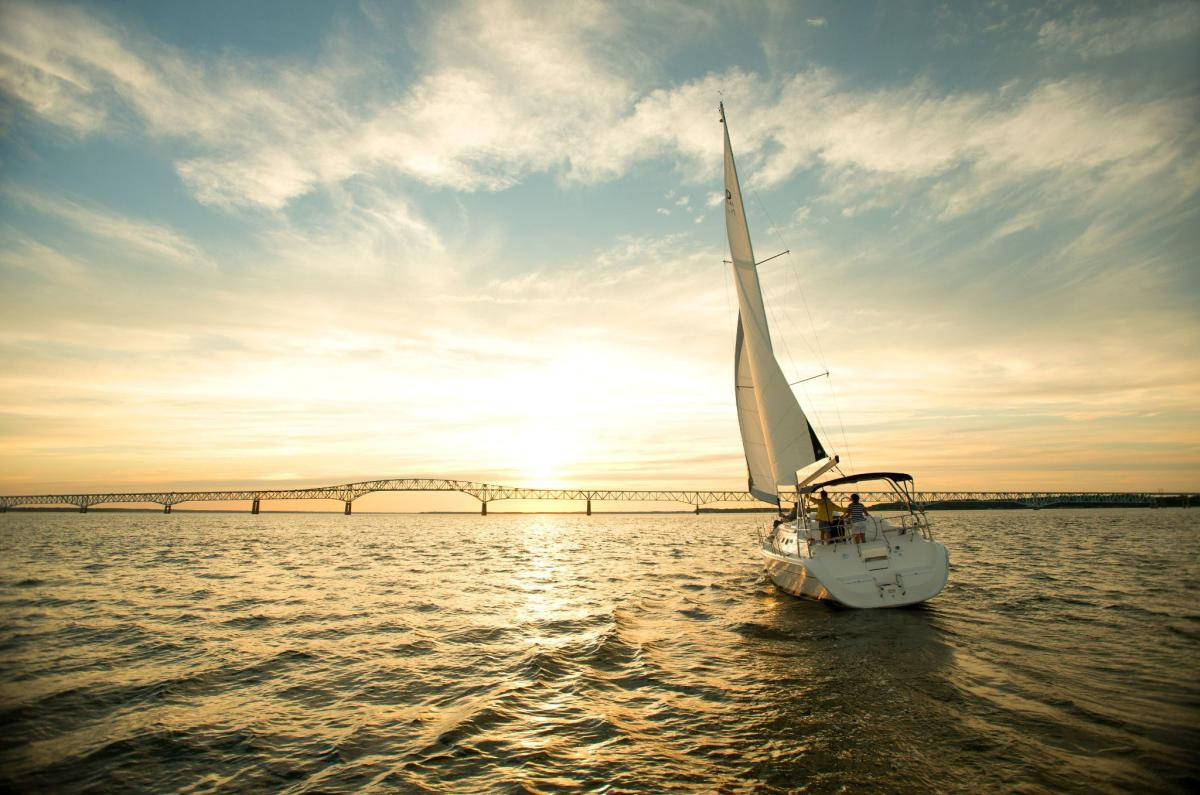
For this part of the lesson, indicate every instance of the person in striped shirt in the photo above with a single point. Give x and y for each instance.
(855, 512)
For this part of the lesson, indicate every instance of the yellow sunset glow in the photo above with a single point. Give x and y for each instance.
(451, 273)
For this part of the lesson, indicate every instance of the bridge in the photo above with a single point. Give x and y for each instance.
(347, 493)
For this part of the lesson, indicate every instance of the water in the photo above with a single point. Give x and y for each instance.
(611, 653)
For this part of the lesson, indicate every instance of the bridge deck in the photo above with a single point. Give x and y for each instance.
(487, 492)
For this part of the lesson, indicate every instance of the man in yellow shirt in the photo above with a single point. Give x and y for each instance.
(825, 518)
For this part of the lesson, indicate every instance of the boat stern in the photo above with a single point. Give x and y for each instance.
(888, 572)
(892, 570)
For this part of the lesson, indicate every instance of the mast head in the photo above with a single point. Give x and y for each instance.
(721, 109)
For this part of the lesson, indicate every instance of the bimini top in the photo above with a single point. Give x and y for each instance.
(893, 476)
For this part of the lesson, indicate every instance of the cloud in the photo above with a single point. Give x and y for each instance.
(1090, 35)
(147, 240)
(512, 90)
(817, 22)
(19, 252)
(357, 230)
(896, 138)
(36, 70)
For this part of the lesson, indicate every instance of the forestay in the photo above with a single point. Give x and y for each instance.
(776, 435)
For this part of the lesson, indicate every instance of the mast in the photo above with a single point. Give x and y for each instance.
(776, 436)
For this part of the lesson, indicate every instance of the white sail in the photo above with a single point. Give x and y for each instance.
(758, 461)
(776, 435)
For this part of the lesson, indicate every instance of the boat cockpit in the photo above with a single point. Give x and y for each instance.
(894, 510)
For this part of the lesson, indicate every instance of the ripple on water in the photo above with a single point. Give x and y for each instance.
(538, 653)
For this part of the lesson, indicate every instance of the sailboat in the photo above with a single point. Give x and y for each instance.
(862, 560)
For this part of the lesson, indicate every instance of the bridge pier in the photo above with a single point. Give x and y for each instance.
(347, 507)
(83, 506)
(589, 506)
(697, 509)
(254, 506)
(483, 507)
(166, 507)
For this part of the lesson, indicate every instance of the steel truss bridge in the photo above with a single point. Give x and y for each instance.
(347, 493)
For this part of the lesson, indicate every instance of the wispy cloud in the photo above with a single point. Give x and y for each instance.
(37, 260)
(1091, 35)
(147, 240)
(271, 131)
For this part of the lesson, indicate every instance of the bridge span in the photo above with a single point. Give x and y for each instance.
(347, 493)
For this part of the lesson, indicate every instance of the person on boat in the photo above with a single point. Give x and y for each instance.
(854, 513)
(824, 511)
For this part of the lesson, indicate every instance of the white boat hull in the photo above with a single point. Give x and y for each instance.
(890, 567)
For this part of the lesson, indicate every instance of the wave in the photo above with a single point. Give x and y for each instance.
(576, 654)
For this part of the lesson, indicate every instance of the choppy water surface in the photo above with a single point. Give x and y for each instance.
(608, 653)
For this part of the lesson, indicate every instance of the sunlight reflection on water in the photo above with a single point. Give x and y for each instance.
(467, 653)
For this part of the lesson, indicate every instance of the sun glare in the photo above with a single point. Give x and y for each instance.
(544, 452)
(544, 436)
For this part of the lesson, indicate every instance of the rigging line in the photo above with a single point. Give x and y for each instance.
(761, 261)
(770, 293)
(799, 285)
(770, 305)
(821, 425)
(784, 308)
(841, 425)
(773, 256)
(838, 410)
(816, 338)
(813, 329)
(728, 305)
(810, 378)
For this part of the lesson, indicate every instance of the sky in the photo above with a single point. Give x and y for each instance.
(290, 244)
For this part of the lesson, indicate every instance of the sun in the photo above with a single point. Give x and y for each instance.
(547, 420)
(543, 453)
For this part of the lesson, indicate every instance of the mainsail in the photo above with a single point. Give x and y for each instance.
(776, 435)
